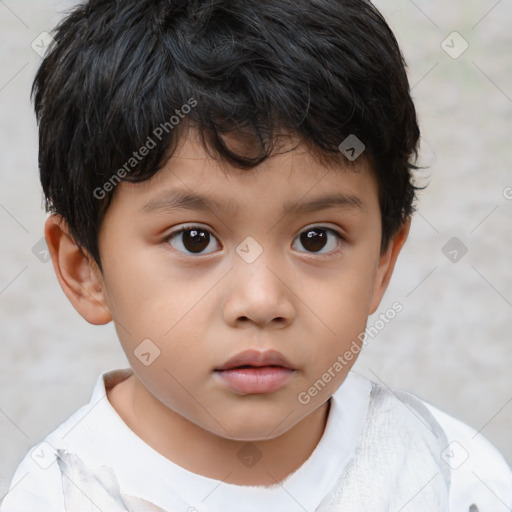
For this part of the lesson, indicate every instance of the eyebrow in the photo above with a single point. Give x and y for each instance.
(186, 200)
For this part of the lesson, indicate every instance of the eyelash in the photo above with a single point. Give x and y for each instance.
(337, 235)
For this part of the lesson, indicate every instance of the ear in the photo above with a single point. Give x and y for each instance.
(386, 265)
(77, 273)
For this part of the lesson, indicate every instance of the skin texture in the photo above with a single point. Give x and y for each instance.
(201, 310)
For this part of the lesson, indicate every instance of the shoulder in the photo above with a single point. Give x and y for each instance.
(478, 477)
(38, 481)
(481, 479)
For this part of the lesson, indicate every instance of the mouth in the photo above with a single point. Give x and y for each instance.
(256, 359)
(253, 372)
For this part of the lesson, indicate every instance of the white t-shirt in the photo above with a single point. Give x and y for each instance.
(380, 451)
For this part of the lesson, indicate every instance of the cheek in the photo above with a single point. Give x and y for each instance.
(160, 311)
(173, 384)
(149, 293)
(342, 305)
(344, 299)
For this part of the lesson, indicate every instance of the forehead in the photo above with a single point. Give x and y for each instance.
(293, 178)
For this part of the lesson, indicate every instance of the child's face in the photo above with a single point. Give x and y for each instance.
(203, 297)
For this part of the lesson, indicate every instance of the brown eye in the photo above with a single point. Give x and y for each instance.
(193, 240)
(315, 239)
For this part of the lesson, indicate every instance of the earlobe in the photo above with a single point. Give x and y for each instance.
(77, 273)
(386, 265)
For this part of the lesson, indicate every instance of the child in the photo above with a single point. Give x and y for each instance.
(231, 184)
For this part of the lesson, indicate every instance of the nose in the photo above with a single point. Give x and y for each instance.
(258, 294)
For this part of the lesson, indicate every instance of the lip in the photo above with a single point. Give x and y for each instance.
(254, 372)
(257, 359)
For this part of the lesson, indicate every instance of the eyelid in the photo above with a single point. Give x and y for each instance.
(186, 227)
(191, 225)
(339, 235)
(326, 226)
(337, 231)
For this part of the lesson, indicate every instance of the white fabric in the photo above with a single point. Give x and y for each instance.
(381, 451)
(398, 464)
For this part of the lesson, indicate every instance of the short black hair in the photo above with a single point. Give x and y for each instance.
(122, 72)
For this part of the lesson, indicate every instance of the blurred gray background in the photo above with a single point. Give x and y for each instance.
(451, 345)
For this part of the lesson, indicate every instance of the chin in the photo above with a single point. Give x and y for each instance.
(255, 426)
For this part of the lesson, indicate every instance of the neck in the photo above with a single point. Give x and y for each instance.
(262, 462)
